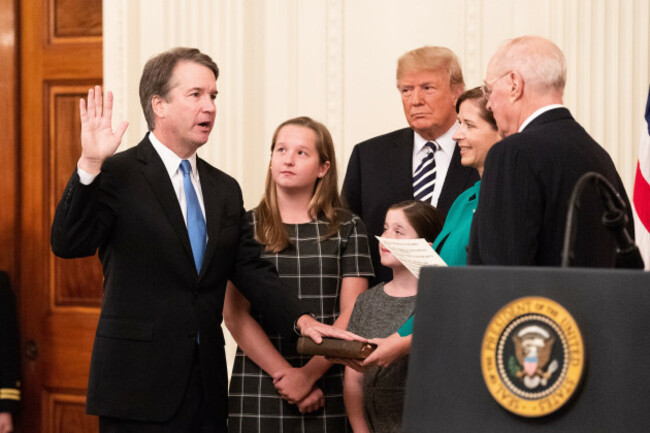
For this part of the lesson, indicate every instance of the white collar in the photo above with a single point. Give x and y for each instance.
(169, 158)
(445, 141)
(538, 113)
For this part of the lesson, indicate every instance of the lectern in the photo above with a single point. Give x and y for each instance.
(514, 349)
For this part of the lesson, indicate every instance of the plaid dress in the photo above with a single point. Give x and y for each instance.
(313, 270)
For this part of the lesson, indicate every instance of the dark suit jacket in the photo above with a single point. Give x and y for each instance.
(523, 203)
(380, 174)
(154, 302)
(9, 348)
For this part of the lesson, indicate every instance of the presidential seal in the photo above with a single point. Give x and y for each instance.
(532, 356)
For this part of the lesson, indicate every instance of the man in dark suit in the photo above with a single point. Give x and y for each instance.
(381, 170)
(170, 232)
(9, 356)
(530, 174)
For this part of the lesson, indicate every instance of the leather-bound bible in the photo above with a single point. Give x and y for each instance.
(335, 348)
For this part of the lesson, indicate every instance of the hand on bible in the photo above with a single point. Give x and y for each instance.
(312, 328)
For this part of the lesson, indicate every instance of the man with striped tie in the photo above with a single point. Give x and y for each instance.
(421, 161)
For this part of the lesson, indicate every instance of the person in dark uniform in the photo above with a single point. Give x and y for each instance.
(9, 356)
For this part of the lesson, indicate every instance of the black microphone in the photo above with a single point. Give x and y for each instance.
(615, 219)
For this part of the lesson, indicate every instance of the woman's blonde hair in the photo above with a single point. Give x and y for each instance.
(269, 229)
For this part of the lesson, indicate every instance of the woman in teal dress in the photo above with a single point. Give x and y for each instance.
(476, 133)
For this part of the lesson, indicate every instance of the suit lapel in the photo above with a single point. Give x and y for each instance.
(156, 175)
(455, 176)
(212, 198)
(403, 159)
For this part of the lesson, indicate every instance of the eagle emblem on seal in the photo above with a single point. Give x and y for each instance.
(532, 356)
(532, 362)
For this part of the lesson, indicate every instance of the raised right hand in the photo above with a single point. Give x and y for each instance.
(98, 141)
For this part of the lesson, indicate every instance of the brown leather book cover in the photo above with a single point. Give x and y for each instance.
(335, 348)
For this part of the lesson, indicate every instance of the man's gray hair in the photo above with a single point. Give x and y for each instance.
(539, 61)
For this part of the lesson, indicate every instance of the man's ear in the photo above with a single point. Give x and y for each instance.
(158, 106)
(516, 86)
(430, 244)
(457, 90)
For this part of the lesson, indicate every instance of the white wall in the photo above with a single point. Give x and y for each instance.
(334, 60)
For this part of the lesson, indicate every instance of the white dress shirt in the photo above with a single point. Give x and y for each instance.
(538, 113)
(442, 157)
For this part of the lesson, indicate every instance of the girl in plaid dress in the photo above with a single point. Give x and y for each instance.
(321, 253)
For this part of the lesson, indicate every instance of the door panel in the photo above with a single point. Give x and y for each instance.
(70, 278)
(61, 57)
(9, 145)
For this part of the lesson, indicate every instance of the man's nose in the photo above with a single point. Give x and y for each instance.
(209, 104)
(416, 96)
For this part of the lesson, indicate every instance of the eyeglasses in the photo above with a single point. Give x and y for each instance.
(486, 87)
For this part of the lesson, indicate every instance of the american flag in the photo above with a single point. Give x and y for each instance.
(641, 198)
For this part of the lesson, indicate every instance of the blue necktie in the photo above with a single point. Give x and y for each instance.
(195, 220)
(424, 178)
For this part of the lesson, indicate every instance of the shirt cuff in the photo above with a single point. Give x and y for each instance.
(84, 177)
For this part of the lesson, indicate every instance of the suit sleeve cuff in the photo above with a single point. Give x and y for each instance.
(84, 177)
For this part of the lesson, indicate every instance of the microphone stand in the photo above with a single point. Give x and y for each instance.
(615, 219)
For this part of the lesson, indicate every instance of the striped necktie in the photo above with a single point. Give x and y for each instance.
(195, 220)
(424, 178)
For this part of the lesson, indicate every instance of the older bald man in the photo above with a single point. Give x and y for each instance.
(530, 174)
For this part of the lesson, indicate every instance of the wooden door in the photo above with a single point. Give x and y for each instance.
(9, 141)
(61, 57)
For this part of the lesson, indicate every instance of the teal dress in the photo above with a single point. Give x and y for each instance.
(453, 239)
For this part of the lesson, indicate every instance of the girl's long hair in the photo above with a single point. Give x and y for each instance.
(269, 229)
